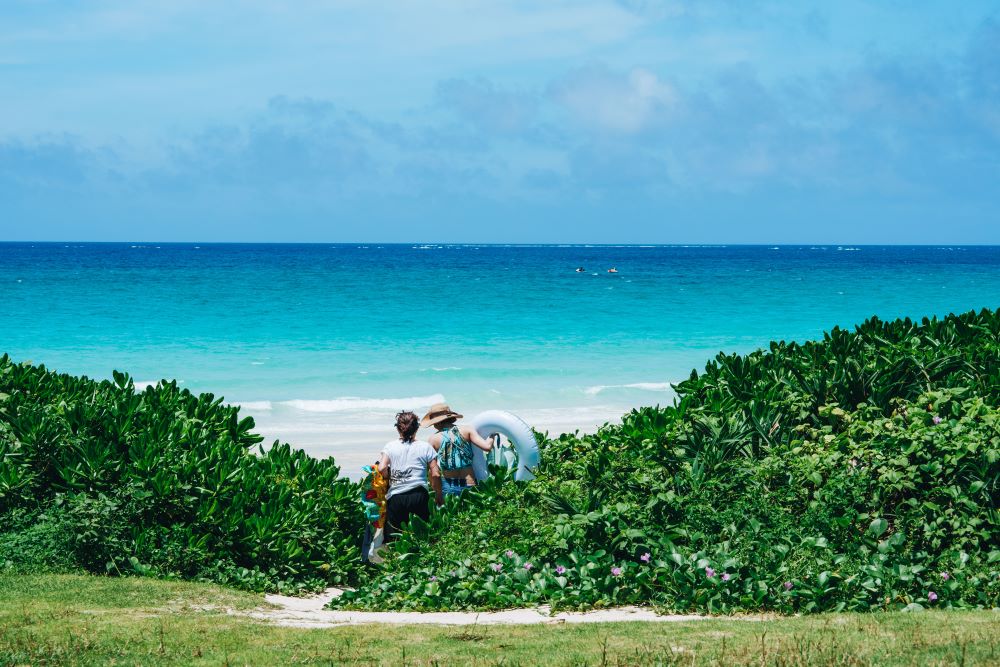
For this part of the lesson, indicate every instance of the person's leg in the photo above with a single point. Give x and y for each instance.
(395, 516)
(420, 503)
(400, 508)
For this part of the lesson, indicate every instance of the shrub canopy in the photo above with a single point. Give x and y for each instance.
(165, 482)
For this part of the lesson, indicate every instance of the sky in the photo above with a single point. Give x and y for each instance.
(591, 121)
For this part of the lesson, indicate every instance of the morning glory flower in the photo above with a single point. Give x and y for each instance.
(616, 571)
(560, 569)
(936, 419)
(433, 578)
(788, 585)
(709, 572)
(945, 576)
(528, 566)
(496, 567)
(932, 596)
(509, 553)
(725, 576)
(645, 558)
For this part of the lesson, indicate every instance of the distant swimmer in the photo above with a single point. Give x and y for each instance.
(612, 270)
(580, 269)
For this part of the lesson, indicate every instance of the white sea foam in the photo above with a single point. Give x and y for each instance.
(644, 386)
(140, 385)
(347, 403)
(255, 405)
(294, 430)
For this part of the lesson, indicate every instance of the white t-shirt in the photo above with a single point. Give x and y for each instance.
(408, 463)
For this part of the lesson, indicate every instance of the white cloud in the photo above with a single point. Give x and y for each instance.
(618, 102)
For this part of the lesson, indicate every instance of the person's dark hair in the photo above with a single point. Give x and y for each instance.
(446, 424)
(407, 424)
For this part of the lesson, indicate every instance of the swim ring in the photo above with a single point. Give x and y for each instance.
(520, 435)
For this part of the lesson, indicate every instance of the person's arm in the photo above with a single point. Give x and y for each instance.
(473, 436)
(435, 441)
(434, 471)
(383, 465)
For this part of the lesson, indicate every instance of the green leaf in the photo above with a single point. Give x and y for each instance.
(878, 527)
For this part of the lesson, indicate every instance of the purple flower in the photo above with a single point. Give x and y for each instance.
(932, 596)
(936, 419)
(645, 558)
(528, 566)
(945, 576)
(616, 571)
(709, 572)
(509, 553)
(496, 567)
(725, 576)
(788, 585)
(433, 578)
(560, 569)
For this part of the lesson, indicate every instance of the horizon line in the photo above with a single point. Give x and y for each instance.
(525, 244)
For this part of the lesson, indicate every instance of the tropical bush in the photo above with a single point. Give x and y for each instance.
(857, 472)
(96, 475)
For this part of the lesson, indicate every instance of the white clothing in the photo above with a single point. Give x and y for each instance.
(408, 463)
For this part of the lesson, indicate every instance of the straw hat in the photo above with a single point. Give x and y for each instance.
(439, 412)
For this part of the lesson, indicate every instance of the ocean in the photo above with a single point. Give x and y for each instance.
(323, 343)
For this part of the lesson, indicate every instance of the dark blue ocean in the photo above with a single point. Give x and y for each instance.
(323, 343)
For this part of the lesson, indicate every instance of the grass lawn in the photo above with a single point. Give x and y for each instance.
(88, 620)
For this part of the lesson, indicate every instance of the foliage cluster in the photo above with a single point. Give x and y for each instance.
(97, 475)
(859, 472)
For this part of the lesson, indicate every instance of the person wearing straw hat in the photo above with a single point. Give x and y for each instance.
(453, 443)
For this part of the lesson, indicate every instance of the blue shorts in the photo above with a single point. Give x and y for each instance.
(453, 486)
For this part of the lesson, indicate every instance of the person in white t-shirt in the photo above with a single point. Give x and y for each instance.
(407, 463)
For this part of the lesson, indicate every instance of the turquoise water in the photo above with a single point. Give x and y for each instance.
(323, 343)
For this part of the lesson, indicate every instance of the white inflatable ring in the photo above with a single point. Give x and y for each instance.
(517, 431)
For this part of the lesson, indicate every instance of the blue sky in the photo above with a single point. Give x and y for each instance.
(629, 121)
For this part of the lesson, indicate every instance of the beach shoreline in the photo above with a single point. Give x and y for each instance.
(357, 442)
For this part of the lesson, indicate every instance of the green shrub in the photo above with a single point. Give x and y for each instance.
(163, 482)
(31, 542)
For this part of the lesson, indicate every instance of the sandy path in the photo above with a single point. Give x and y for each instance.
(309, 613)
